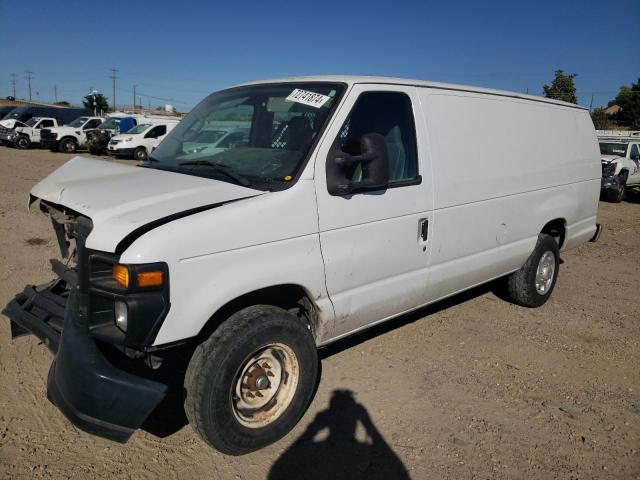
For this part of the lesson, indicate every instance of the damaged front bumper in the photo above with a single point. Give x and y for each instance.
(93, 394)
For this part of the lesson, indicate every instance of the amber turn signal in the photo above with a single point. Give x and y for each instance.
(150, 279)
(121, 275)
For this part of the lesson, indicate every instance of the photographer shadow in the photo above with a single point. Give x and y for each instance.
(329, 449)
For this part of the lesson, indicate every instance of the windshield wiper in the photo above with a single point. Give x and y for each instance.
(229, 172)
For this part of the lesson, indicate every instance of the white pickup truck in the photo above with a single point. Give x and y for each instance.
(351, 201)
(620, 156)
(69, 138)
(28, 135)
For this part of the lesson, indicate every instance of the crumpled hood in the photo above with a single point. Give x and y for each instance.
(121, 198)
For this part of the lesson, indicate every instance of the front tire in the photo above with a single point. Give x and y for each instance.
(617, 195)
(532, 285)
(68, 145)
(140, 154)
(23, 142)
(251, 381)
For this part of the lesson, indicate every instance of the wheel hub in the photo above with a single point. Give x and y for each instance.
(545, 272)
(265, 385)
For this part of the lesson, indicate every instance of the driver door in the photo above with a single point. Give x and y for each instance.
(376, 244)
(634, 155)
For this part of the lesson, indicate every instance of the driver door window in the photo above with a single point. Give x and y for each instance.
(390, 115)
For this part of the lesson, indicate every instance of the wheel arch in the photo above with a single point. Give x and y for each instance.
(291, 297)
(557, 228)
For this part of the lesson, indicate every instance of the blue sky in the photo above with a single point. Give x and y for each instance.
(181, 51)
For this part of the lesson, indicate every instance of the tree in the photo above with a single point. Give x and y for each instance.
(101, 102)
(600, 119)
(562, 88)
(628, 100)
(63, 103)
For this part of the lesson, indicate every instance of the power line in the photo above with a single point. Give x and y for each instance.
(113, 77)
(29, 77)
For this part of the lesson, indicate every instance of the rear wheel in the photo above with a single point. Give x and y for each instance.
(68, 145)
(251, 381)
(140, 154)
(531, 286)
(23, 142)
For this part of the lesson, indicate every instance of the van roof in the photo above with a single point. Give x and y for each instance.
(355, 79)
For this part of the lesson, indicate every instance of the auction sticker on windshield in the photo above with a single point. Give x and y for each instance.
(307, 98)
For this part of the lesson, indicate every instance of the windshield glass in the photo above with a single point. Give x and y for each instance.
(110, 123)
(259, 133)
(619, 149)
(139, 128)
(32, 121)
(78, 122)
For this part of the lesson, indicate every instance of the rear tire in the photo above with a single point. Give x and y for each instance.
(140, 154)
(68, 145)
(251, 381)
(23, 142)
(532, 285)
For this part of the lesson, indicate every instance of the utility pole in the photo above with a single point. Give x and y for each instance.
(55, 92)
(13, 84)
(29, 77)
(591, 103)
(134, 97)
(113, 77)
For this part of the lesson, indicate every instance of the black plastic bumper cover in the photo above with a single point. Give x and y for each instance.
(93, 394)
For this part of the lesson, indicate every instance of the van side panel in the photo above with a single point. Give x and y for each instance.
(502, 169)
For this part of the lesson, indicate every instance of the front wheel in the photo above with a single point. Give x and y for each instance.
(140, 154)
(23, 142)
(68, 145)
(252, 380)
(531, 286)
(616, 195)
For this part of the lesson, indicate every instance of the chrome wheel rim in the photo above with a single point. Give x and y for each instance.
(544, 272)
(265, 385)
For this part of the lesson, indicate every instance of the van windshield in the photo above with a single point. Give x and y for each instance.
(139, 128)
(257, 136)
(619, 149)
(110, 123)
(78, 122)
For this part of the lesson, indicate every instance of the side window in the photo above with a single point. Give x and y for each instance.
(635, 153)
(390, 115)
(46, 124)
(92, 124)
(155, 132)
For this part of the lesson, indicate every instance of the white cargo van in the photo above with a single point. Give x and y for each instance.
(352, 201)
(140, 140)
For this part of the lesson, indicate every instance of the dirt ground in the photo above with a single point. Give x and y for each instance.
(470, 388)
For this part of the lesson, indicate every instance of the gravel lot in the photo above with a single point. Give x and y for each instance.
(470, 388)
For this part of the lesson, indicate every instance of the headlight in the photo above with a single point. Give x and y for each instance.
(121, 315)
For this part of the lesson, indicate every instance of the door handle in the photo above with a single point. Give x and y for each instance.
(424, 229)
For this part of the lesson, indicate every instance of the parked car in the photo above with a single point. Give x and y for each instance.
(382, 196)
(28, 135)
(620, 156)
(69, 138)
(199, 147)
(140, 140)
(98, 139)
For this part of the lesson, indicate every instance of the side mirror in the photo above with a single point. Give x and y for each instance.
(374, 162)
